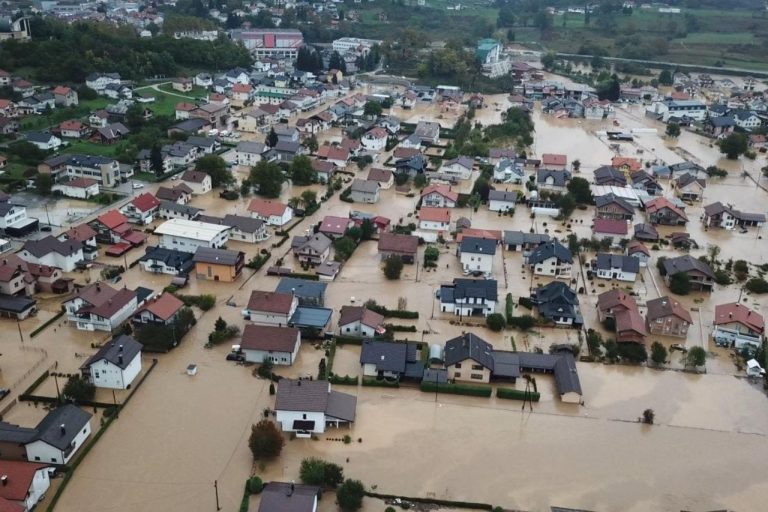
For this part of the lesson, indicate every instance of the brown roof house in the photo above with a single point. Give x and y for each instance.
(667, 317)
(662, 211)
(100, 307)
(405, 246)
(360, 321)
(271, 308)
(162, 310)
(737, 326)
(309, 406)
(312, 250)
(612, 302)
(278, 345)
(700, 274)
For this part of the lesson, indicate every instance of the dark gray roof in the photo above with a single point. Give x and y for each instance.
(386, 356)
(721, 121)
(219, 256)
(464, 288)
(439, 375)
(10, 433)
(548, 250)
(646, 232)
(120, 352)
(239, 222)
(172, 258)
(285, 497)
(49, 244)
(506, 364)
(16, 303)
(39, 137)
(559, 178)
(500, 195)
(302, 395)
(190, 125)
(607, 199)
(468, 346)
(302, 288)
(71, 417)
(521, 237)
(688, 178)
(311, 317)
(474, 245)
(288, 147)
(556, 300)
(607, 174)
(686, 264)
(179, 208)
(607, 261)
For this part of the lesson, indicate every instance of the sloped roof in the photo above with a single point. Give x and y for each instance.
(443, 190)
(365, 316)
(120, 352)
(269, 338)
(610, 226)
(272, 302)
(687, 263)
(164, 306)
(435, 214)
(663, 307)
(735, 312)
(391, 242)
(468, 346)
(549, 249)
(145, 202)
(71, 417)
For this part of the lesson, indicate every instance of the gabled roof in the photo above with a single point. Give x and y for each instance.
(443, 190)
(553, 159)
(688, 178)
(635, 246)
(632, 163)
(664, 307)
(687, 263)
(523, 237)
(17, 480)
(548, 250)
(267, 207)
(630, 320)
(288, 497)
(49, 244)
(469, 288)
(610, 226)
(468, 346)
(302, 288)
(217, 256)
(380, 175)
(269, 338)
(472, 245)
(501, 195)
(194, 176)
(386, 356)
(335, 225)
(119, 352)
(365, 316)
(364, 186)
(608, 174)
(661, 203)
(317, 242)
(271, 302)
(735, 312)
(559, 178)
(112, 219)
(314, 396)
(111, 306)
(71, 417)
(391, 242)
(435, 214)
(646, 232)
(164, 306)
(602, 201)
(607, 261)
(615, 298)
(145, 202)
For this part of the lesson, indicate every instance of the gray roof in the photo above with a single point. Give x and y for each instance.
(686, 264)
(15, 303)
(255, 148)
(10, 433)
(285, 497)
(179, 208)
(244, 224)
(559, 178)
(311, 317)
(365, 186)
(319, 242)
(556, 300)
(500, 195)
(49, 244)
(386, 356)
(646, 232)
(39, 137)
(439, 375)
(71, 417)
(506, 364)
(302, 288)
(611, 198)
(427, 130)
(521, 237)
(288, 147)
(190, 125)
(688, 178)
(202, 142)
(219, 256)
(120, 352)
(314, 396)
(721, 121)
(474, 245)
(466, 288)
(468, 346)
(607, 174)
(548, 250)
(607, 261)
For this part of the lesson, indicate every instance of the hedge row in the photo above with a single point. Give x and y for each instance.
(348, 340)
(374, 383)
(516, 394)
(46, 324)
(393, 313)
(447, 503)
(400, 328)
(299, 275)
(456, 389)
(343, 381)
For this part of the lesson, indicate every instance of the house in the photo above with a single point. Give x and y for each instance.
(435, 219)
(188, 235)
(638, 250)
(411, 165)
(142, 209)
(630, 326)
(690, 188)
(65, 96)
(160, 310)
(374, 139)
(439, 196)
(52, 252)
(335, 227)
(646, 232)
(610, 229)
(607, 175)
(501, 201)
(273, 212)
(476, 255)
(278, 345)
(391, 360)
(405, 246)
(551, 259)
(59, 435)
(44, 141)
(24, 484)
(179, 194)
(469, 297)
(557, 303)
(216, 264)
(289, 497)
(183, 109)
(626, 164)
(8, 126)
(469, 358)
(309, 293)
(523, 241)
(14, 220)
(364, 191)
(509, 170)
(79, 188)
(383, 177)
(100, 307)
(735, 325)
(249, 153)
(428, 132)
(360, 321)
(334, 154)
(614, 302)
(111, 133)
(73, 129)
(700, 274)
(720, 126)
(85, 235)
(271, 308)
(98, 119)
(312, 250)
(553, 179)
(611, 206)
(617, 266)
(174, 210)
(747, 120)
(198, 182)
(115, 365)
(158, 260)
(727, 217)
(459, 168)
(662, 211)
(310, 406)
(554, 161)
(99, 81)
(667, 317)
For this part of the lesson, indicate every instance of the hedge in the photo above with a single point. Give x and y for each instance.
(32, 387)
(456, 389)
(516, 394)
(348, 340)
(374, 382)
(46, 324)
(299, 275)
(258, 261)
(246, 501)
(525, 302)
(400, 328)
(342, 381)
(447, 503)
(393, 313)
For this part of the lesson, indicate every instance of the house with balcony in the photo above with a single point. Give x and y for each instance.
(557, 303)
(667, 317)
(86, 236)
(312, 250)
(142, 209)
(551, 259)
(736, 325)
(99, 307)
(469, 297)
(700, 274)
(271, 308)
(725, 216)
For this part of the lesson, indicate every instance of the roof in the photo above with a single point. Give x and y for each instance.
(553, 159)
(112, 219)
(10, 433)
(735, 312)
(317, 242)
(217, 256)
(468, 346)
(488, 234)
(443, 190)
(108, 308)
(194, 176)
(267, 207)
(610, 226)
(621, 161)
(427, 129)
(255, 148)
(288, 497)
(18, 476)
(464, 161)
(386, 356)
(636, 246)
(272, 302)
(630, 320)
(718, 208)
(314, 396)
(50, 244)
(365, 316)
(80, 183)
(663, 307)
(145, 202)
(365, 186)
(335, 225)
(660, 203)
(435, 214)
(170, 257)
(501, 195)
(390, 242)
(164, 306)
(607, 261)
(380, 175)
(302, 288)
(688, 178)
(601, 201)
(475, 245)
(522, 237)
(608, 174)
(687, 263)
(39, 137)
(646, 231)
(269, 338)
(71, 417)
(469, 288)
(548, 250)
(556, 299)
(190, 229)
(559, 178)
(120, 351)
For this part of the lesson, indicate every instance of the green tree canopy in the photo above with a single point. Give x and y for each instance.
(215, 167)
(266, 441)
(734, 145)
(267, 178)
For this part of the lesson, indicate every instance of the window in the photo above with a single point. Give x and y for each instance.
(477, 376)
(38, 458)
(53, 459)
(477, 367)
(457, 375)
(457, 365)
(303, 416)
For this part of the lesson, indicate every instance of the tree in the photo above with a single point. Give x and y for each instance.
(349, 495)
(367, 229)
(579, 189)
(665, 77)
(393, 267)
(245, 187)
(673, 130)
(337, 62)
(43, 184)
(255, 485)
(658, 353)
(495, 322)
(79, 389)
(311, 144)
(266, 441)
(364, 161)
(420, 181)
(220, 324)
(734, 145)
(343, 248)
(267, 178)
(696, 356)
(649, 416)
(308, 198)
(372, 109)
(156, 160)
(610, 89)
(611, 350)
(215, 167)
(316, 471)
(680, 284)
(271, 139)
(302, 172)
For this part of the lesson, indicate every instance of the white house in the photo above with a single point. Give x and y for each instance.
(60, 435)
(459, 168)
(551, 259)
(278, 345)
(99, 307)
(693, 109)
(508, 171)
(476, 255)
(501, 201)
(375, 139)
(166, 261)
(617, 266)
(364, 191)
(53, 253)
(272, 212)
(79, 188)
(99, 81)
(199, 182)
(44, 141)
(747, 120)
(439, 196)
(116, 364)
(249, 153)
(188, 235)
(142, 209)
(14, 220)
(360, 321)
(469, 297)
(736, 325)
(434, 220)
(28, 483)
(271, 308)
(310, 406)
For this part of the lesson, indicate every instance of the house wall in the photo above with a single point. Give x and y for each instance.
(286, 419)
(264, 318)
(40, 451)
(40, 484)
(98, 323)
(500, 206)
(357, 329)
(466, 309)
(161, 269)
(12, 451)
(616, 273)
(107, 375)
(669, 326)
(553, 267)
(433, 199)
(469, 371)
(213, 272)
(364, 197)
(278, 358)
(189, 244)
(54, 259)
(434, 225)
(473, 262)
(200, 188)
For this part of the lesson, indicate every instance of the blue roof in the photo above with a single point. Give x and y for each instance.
(303, 288)
(313, 317)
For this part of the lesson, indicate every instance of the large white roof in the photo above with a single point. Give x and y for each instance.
(190, 229)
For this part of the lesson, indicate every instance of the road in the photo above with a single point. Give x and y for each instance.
(683, 67)
(156, 87)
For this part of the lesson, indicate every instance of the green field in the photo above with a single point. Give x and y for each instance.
(710, 38)
(91, 148)
(164, 104)
(196, 92)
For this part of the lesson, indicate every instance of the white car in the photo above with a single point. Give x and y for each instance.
(138, 185)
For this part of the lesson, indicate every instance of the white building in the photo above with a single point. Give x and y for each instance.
(187, 235)
(360, 321)
(29, 482)
(617, 266)
(501, 201)
(99, 307)
(60, 435)
(270, 211)
(278, 345)
(692, 109)
(199, 182)
(476, 255)
(249, 153)
(737, 326)
(374, 139)
(79, 188)
(115, 365)
(271, 308)
(310, 406)
(551, 259)
(469, 297)
(354, 45)
(53, 253)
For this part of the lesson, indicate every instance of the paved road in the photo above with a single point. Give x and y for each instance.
(714, 69)
(156, 87)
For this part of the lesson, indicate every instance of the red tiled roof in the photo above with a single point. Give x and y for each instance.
(488, 234)
(268, 337)
(443, 190)
(185, 107)
(553, 159)
(323, 166)
(272, 302)
(72, 124)
(636, 246)
(164, 306)
(112, 219)
(401, 153)
(334, 225)
(620, 161)
(378, 133)
(662, 202)
(611, 226)
(20, 475)
(435, 214)
(391, 242)
(81, 182)
(81, 233)
(735, 312)
(135, 238)
(145, 202)
(10, 506)
(62, 90)
(241, 88)
(350, 144)
(630, 320)
(267, 207)
(613, 298)
(333, 153)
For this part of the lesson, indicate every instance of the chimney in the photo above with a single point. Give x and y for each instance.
(98, 287)
(120, 359)
(4, 479)
(63, 429)
(121, 348)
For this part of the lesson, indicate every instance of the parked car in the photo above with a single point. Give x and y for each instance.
(138, 185)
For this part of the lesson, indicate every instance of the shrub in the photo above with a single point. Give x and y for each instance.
(633, 352)
(456, 389)
(204, 302)
(526, 302)
(393, 267)
(680, 284)
(660, 265)
(431, 254)
(649, 416)
(349, 495)
(658, 353)
(495, 322)
(265, 370)
(696, 356)
(757, 285)
(266, 441)
(255, 485)
(79, 389)
(722, 277)
(219, 336)
(594, 343)
(523, 323)
(516, 394)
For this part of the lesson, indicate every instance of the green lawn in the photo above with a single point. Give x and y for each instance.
(164, 104)
(711, 38)
(81, 111)
(91, 148)
(196, 92)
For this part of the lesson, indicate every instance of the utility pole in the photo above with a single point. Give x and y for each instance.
(18, 325)
(56, 381)
(216, 490)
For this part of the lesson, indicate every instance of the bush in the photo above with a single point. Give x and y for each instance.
(658, 353)
(342, 381)
(79, 389)
(696, 356)
(316, 471)
(456, 389)
(380, 383)
(680, 284)
(219, 336)
(594, 343)
(431, 255)
(633, 352)
(204, 302)
(349, 495)
(393, 267)
(722, 277)
(266, 441)
(258, 261)
(255, 485)
(516, 394)
(391, 313)
(523, 323)
(495, 322)
(757, 285)
(525, 302)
